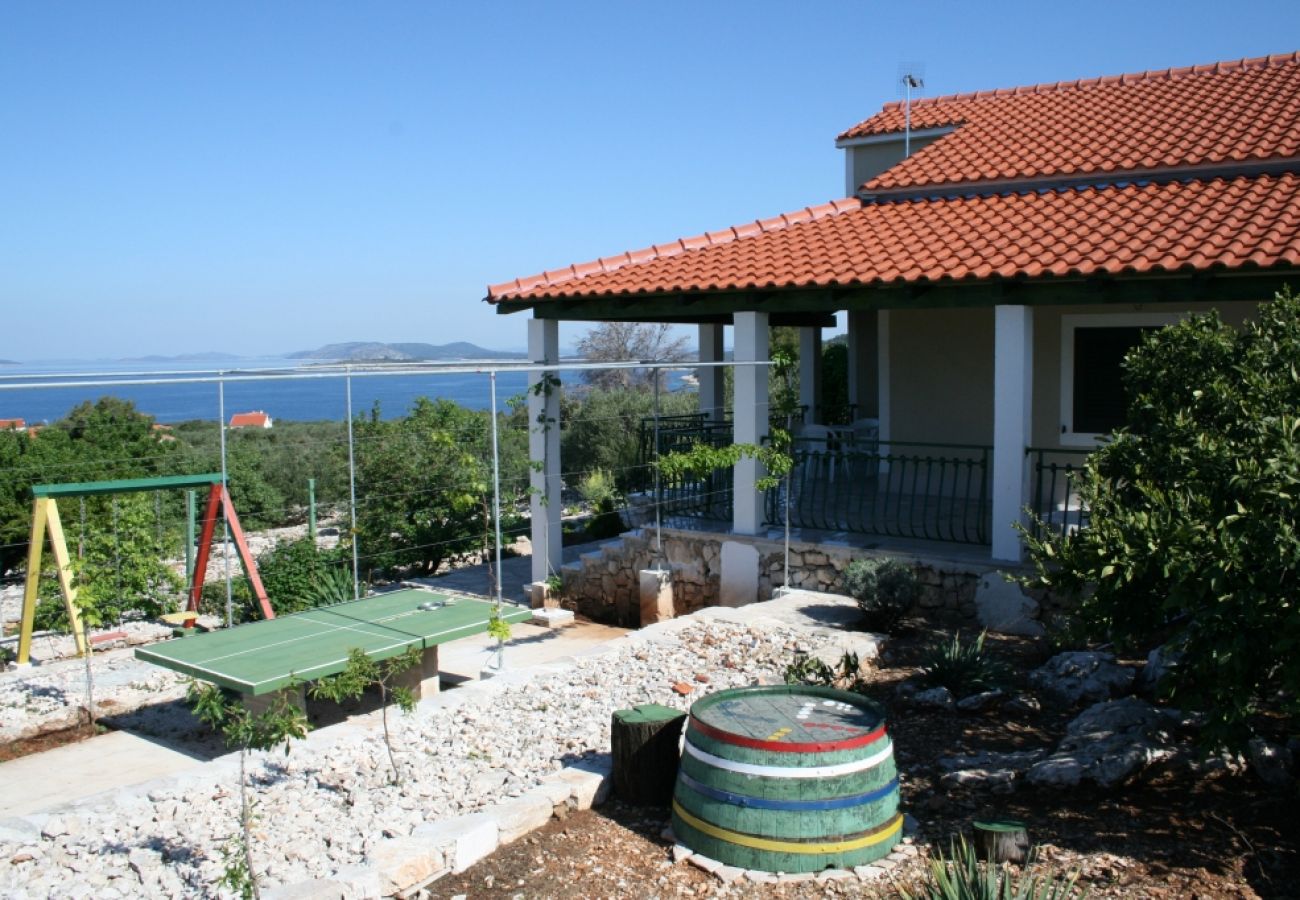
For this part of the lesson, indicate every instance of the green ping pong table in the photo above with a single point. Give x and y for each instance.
(270, 655)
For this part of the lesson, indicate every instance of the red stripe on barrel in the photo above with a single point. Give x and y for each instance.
(728, 737)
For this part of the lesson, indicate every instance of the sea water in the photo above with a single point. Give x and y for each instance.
(308, 399)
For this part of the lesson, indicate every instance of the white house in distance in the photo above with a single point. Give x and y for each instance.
(992, 280)
(254, 419)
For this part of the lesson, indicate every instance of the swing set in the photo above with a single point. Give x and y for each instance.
(45, 519)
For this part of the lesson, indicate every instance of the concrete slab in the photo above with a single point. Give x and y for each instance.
(529, 645)
(68, 773)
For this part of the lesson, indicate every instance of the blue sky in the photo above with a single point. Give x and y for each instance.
(267, 177)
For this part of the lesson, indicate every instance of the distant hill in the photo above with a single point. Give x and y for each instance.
(368, 351)
(207, 356)
(7, 362)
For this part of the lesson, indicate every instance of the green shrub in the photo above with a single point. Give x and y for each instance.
(885, 590)
(964, 669)
(298, 575)
(961, 876)
(1194, 530)
(333, 585)
(600, 492)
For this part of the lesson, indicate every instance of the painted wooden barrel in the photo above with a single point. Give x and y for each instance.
(787, 778)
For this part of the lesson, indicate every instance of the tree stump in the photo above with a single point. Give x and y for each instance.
(644, 743)
(1001, 841)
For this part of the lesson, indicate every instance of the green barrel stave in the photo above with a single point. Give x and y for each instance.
(787, 778)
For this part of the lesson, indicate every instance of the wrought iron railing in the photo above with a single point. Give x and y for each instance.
(705, 497)
(907, 489)
(1055, 504)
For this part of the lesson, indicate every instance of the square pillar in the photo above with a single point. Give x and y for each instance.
(712, 398)
(882, 373)
(810, 372)
(864, 387)
(750, 415)
(544, 446)
(1013, 376)
(257, 704)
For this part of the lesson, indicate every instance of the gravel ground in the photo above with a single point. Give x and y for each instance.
(326, 806)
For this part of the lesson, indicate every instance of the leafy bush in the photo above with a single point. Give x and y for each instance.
(885, 590)
(964, 669)
(961, 876)
(599, 490)
(298, 575)
(1194, 530)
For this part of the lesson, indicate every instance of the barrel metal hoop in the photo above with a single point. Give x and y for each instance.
(745, 801)
(811, 847)
(847, 768)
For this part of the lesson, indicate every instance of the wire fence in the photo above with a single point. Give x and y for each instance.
(446, 478)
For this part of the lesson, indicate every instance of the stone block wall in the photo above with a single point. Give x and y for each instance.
(604, 584)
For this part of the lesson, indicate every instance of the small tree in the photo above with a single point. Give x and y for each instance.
(1194, 528)
(626, 341)
(362, 673)
(281, 723)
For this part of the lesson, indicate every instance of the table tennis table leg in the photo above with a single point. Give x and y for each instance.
(422, 680)
(296, 695)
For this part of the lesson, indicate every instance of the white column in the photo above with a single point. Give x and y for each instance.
(712, 398)
(544, 445)
(1013, 371)
(810, 372)
(750, 416)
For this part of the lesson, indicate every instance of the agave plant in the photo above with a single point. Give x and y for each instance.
(963, 668)
(961, 876)
(333, 585)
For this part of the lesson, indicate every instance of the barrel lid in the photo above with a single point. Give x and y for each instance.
(789, 718)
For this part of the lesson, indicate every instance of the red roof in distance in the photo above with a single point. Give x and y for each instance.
(255, 419)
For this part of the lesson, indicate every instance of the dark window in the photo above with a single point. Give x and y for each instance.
(1099, 401)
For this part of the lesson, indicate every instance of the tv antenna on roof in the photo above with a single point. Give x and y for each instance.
(912, 77)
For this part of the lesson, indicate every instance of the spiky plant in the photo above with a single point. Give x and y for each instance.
(961, 876)
(963, 668)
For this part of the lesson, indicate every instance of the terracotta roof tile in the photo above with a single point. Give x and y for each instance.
(1237, 111)
(1136, 228)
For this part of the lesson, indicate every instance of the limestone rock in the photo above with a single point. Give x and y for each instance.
(979, 702)
(1273, 763)
(934, 698)
(1108, 744)
(1082, 676)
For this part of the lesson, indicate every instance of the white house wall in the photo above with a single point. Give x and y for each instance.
(941, 369)
(1047, 412)
(941, 375)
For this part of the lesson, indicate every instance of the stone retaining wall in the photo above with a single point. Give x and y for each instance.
(604, 584)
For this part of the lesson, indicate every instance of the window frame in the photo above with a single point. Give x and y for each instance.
(1071, 323)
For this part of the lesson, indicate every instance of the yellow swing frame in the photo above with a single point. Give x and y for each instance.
(46, 521)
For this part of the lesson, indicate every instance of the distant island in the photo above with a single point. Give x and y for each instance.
(371, 351)
(209, 356)
(8, 362)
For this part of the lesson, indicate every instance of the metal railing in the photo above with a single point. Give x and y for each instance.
(703, 497)
(907, 489)
(1055, 499)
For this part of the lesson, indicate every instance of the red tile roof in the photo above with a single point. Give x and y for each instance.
(1227, 112)
(1122, 156)
(1245, 222)
(18, 424)
(256, 419)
